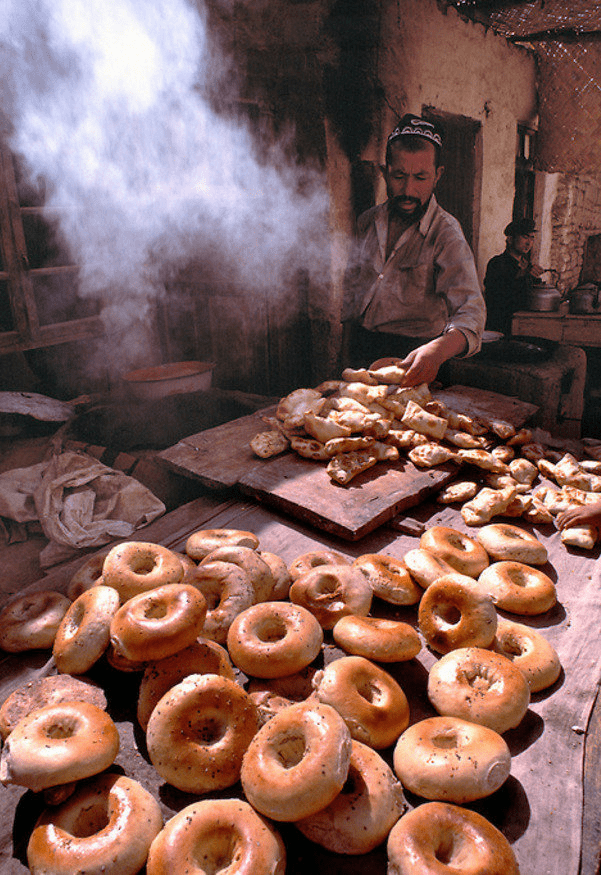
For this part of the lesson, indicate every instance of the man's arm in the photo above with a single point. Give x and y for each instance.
(457, 282)
(424, 362)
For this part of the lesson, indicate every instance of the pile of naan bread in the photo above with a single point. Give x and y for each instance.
(369, 417)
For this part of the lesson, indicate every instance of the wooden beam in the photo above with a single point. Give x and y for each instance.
(560, 34)
(488, 5)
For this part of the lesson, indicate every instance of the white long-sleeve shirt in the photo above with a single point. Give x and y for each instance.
(426, 286)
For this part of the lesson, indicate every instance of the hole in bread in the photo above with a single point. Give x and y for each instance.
(511, 646)
(142, 564)
(517, 576)
(90, 820)
(480, 677)
(76, 616)
(327, 585)
(28, 610)
(316, 561)
(209, 730)
(454, 539)
(289, 749)
(449, 614)
(215, 851)
(355, 783)
(212, 593)
(445, 740)
(63, 728)
(271, 629)
(369, 691)
(155, 610)
(445, 850)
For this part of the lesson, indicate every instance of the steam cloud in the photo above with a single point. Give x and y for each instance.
(105, 102)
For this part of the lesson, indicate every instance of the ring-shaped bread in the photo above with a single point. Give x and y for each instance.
(464, 554)
(332, 591)
(451, 760)
(530, 651)
(234, 839)
(135, 567)
(106, 826)
(377, 638)
(389, 578)
(504, 541)
(227, 591)
(203, 542)
(363, 813)
(159, 622)
(189, 566)
(57, 744)
(479, 686)
(50, 690)
(282, 579)
(30, 621)
(274, 639)
(456, 612)
(518, 588)
(198, 732)
(424, 567)
(439, 838)
(371, 702)
(84, 632)
(258, 571)
(87, 575)
(272, 695)
(118, 661)
(315, 559)
(297, 762)
(201, 657)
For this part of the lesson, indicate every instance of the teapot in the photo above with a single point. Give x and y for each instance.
(543, 297)
(585, 299)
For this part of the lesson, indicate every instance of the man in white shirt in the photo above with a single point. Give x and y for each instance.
(412, 290)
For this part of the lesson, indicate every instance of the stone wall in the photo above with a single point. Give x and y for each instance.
(575, 215)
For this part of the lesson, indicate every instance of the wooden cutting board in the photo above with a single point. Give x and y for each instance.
(303, 489)
(220, 458)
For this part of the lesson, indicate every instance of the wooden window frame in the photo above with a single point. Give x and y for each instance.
(28, 332)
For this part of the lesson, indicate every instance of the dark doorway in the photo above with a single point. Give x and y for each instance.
(458, 191)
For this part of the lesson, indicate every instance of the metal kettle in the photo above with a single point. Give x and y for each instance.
(585, 299)
(544, 297)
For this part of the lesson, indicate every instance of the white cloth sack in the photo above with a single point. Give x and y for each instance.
(79, 501)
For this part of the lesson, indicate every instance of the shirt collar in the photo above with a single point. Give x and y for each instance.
(428, 217)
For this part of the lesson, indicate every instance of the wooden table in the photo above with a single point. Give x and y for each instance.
(579, 330)
(539, 808)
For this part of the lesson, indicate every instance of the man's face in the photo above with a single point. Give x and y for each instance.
(522, 244)
(410, 179)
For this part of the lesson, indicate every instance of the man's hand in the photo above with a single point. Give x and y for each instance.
(424, 362)
(587, 515)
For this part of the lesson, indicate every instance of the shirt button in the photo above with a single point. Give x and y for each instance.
(381, 276)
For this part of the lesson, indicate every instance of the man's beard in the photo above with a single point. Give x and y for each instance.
(400, 212)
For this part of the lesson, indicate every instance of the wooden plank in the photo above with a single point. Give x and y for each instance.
(304, 489)
(545, 325)
(219, 456)
(487, 404)
(591, 825)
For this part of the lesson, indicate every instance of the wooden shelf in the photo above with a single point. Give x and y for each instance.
(569, 328)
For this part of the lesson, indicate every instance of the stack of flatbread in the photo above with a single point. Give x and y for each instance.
(368, 417)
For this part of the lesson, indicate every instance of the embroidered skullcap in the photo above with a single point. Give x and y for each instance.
(415, 126)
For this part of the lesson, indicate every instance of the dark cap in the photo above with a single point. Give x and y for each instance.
(415, 126)
(519, 227)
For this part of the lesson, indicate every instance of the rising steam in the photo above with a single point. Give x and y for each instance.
(105, 102)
